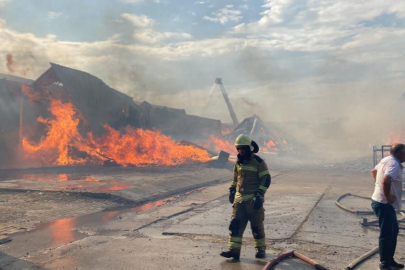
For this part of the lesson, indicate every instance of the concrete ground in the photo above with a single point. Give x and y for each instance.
(189, 229)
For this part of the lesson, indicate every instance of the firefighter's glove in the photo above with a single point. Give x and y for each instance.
(257, 202)
(232, 192)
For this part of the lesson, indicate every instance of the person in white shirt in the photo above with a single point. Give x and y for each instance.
(385, 200)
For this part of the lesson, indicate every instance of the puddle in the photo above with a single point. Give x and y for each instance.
(65, 182)
(64, 231)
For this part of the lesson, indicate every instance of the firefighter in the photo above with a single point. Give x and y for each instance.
(251, 179)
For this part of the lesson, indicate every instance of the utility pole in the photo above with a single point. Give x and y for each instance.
(228, 103)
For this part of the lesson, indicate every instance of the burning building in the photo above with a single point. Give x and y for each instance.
(269, 137)
(68, 117)
(258, 131)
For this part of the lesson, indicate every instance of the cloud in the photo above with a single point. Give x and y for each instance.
(151, 36)
(139, 1)
(141, 21)
(276, 11)
(225, 15)
(337, 14)
(311, 26)
(245, 7)
(146, 34)
(133, 1)
(4, 2)
(54, 15)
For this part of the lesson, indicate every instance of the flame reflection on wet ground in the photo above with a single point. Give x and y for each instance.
(64, 231)
(61, 231)
(68, 182)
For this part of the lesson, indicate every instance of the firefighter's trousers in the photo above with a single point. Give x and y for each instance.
(241, 214)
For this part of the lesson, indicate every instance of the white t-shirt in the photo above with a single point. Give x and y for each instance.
(392, 167)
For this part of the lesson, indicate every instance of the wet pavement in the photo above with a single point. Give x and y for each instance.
(188, 230)
(132, 184)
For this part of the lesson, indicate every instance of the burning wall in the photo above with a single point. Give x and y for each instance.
(63, 144)
(9, 120)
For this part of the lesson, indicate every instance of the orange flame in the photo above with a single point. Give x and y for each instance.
(272, 146)
(62, 133)
(64, 145)
(63, 177)
(217, 144)
(30, 93)
(394, 137)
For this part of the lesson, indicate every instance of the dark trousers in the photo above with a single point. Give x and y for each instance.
(387, 220)
(241, 214)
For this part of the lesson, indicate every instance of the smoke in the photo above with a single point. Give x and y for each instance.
(250, 103)
(335, 98)
(13, 68)
(10, 63)
(339, 120)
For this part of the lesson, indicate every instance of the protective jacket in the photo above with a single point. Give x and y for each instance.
(250, 178)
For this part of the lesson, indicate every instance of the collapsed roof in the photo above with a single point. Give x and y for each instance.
(258, 131)
(97, 102)
(100, 104)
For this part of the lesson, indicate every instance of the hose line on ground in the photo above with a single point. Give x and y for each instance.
(370, 253)
(362, 258)
(353, 264)
(350, 210)
(293, 253)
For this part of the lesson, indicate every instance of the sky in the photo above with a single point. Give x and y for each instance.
(285, 60)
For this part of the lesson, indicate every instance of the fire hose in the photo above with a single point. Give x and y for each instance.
(293, 253)
(354, 263)
(362, 258)
(350, 210)
(365, 223)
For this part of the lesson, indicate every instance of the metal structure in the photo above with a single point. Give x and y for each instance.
(383, 150)
(218, 81)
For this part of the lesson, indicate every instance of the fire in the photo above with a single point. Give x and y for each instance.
(270, 144)
(147, 147)
(274, 146)
(217, 144)
(63, 177)
(63, 144)
(394, 137)
(32, 95)
(62, 135)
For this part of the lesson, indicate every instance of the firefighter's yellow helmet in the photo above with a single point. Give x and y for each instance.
(243, 140)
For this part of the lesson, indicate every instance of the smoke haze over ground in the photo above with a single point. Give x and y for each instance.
(327, 72)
